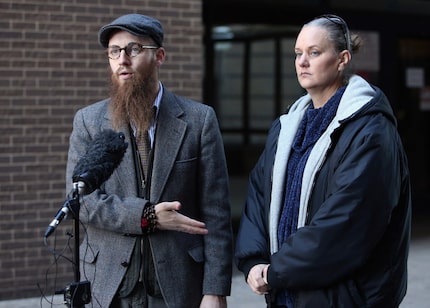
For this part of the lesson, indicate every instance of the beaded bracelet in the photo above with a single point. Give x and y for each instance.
(149, 219)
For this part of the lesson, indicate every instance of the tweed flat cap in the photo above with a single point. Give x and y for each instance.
(136, 24)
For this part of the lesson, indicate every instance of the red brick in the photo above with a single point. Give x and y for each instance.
(54, 67)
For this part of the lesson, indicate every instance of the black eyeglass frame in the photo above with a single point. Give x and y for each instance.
(128, 50)
(342, 23)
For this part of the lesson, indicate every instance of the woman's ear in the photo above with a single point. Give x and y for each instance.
(344, 59)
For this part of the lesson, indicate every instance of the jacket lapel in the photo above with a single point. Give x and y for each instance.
(126, 171)
(168, 139)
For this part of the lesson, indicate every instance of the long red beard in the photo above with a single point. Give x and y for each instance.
(132, 102)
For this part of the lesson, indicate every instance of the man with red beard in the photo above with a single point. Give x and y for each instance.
(158, 231)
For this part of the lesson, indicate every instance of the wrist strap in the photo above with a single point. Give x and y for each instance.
(149, 219)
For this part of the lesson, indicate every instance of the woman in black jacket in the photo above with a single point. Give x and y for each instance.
(326, 221)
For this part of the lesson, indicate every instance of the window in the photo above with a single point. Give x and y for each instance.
(253, 82)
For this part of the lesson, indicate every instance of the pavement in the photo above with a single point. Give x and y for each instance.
(418, 295)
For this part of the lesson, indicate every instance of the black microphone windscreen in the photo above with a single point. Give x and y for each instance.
(103, 155)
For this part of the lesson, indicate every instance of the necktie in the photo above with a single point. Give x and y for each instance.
(144, 147)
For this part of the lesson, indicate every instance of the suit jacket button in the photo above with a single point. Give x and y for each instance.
(124, 263)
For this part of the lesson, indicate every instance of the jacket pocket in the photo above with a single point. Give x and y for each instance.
(344, 295)
(196, 253)
(188, 160)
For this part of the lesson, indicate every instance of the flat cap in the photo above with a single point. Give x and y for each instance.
(136, 24)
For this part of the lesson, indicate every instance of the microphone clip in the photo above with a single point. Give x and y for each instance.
(74, 204)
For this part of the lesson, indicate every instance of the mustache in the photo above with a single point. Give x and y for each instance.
(124, 69)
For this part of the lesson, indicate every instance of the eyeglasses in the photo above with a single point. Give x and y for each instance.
(132, 50)
(340, 22)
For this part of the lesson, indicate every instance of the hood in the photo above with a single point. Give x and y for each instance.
(360, 98)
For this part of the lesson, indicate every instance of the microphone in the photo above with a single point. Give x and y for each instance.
(102, 157)
(58, 218)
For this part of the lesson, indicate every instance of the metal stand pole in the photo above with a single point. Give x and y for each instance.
(76, 294)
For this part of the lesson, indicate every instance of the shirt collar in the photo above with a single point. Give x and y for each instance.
(157, 101)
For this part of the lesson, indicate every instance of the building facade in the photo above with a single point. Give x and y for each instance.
(235, 55)
(51, 64)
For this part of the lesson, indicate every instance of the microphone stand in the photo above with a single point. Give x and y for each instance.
(78, 293)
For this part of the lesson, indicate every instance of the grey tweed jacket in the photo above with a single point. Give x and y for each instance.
(189, 166)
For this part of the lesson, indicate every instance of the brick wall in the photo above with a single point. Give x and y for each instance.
(51, 65)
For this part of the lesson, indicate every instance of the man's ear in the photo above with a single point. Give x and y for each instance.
(160, 55)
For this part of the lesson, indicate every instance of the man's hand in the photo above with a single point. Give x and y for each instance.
(213, 301)
(169, 219)
(256, 281)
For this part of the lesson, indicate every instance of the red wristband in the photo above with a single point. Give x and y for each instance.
(144, 223)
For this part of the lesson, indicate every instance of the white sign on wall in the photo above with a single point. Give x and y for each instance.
(415, 77)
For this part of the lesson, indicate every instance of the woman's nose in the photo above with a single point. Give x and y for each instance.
(302, 60)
